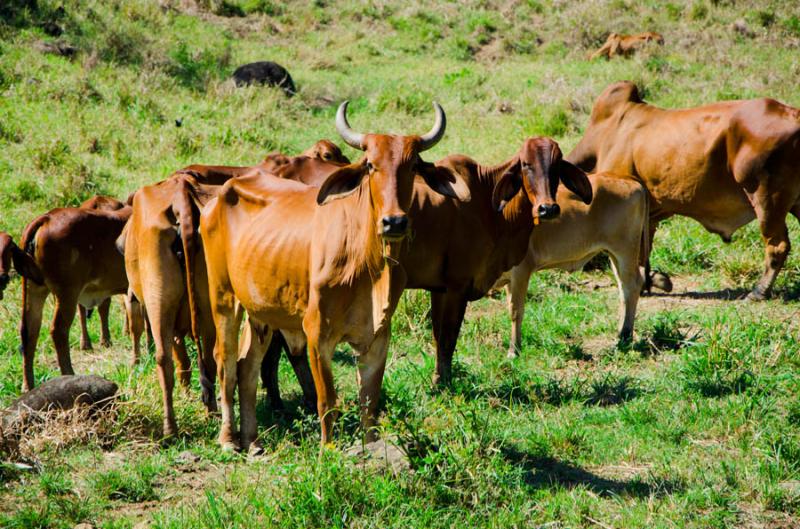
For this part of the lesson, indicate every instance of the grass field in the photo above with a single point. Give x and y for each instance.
(696, 425)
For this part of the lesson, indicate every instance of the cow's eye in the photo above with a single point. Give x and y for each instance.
(370, 167)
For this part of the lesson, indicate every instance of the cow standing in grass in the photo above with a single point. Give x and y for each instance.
(722, 165)
(458, 250)
(315, 261)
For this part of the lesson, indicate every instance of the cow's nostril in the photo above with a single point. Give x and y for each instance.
(548, 211)
(394, 225)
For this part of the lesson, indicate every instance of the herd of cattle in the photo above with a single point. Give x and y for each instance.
(321, 249)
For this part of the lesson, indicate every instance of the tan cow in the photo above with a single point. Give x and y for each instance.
(616, 222)
(314, 261)
(625, 45)
(723, 164)
(161, 245)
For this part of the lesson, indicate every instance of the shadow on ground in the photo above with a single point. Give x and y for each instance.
(546, 471)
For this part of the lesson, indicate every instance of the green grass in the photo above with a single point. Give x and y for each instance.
(696, 424)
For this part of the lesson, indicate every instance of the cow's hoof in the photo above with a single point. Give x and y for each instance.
(86, 346)
(255, 450)
(661, 281)
(229, 439)
(512, 353)
(106, 343)
(756, 295)
(170, 430)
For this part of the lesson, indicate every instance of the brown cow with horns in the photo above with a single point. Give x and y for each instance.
(723, 164)
(318, 261)
(458, 250)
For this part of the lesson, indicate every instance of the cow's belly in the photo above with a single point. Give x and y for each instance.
(95, 293)
(269, 280)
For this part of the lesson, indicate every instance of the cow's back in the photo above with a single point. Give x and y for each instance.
(77, 246)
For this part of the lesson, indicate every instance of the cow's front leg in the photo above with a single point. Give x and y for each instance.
(772, 223)
(225, 355)
(447, 311)
(249, 367)
(320, 351)
(371, 365)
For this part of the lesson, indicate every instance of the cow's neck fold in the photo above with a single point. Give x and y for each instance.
(360, 244)
(512, 226)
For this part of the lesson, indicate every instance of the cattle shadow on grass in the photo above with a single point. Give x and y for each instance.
(545, 471)
(606, 390)
(723, 294)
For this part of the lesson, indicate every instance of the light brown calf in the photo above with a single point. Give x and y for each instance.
(625, 45)
(616, 222)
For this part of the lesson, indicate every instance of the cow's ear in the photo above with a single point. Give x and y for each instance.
(575, 180)
(444, 181)
(508, 186)
(25, 266)
(342, 182)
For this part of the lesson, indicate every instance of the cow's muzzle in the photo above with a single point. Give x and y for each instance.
(548, 211)
(394, 227)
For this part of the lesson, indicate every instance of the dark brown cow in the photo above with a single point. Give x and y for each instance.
(625, 45)
(312, 163)
(314, 261)
(723, 164)
(101, 203)
(160, 246)
(12, 256)
(458, 250)
(74, 250)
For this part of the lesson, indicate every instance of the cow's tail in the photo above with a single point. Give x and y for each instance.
(183, 208)
(29, 272)
(644, 258)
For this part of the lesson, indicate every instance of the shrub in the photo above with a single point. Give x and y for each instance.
(195, 68)
(661, 333)
(792, 25)
(699, 11)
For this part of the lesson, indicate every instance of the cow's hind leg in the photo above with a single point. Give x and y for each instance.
(208, 370)
(86, 340)
(225, 355)
(269, 370)
(298, 357)
(134, 323)
(105, 333)
(182, 360)
(66, 305)
(33, 305)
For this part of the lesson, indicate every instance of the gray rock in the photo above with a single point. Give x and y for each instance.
(383, 452)
(59, 393)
